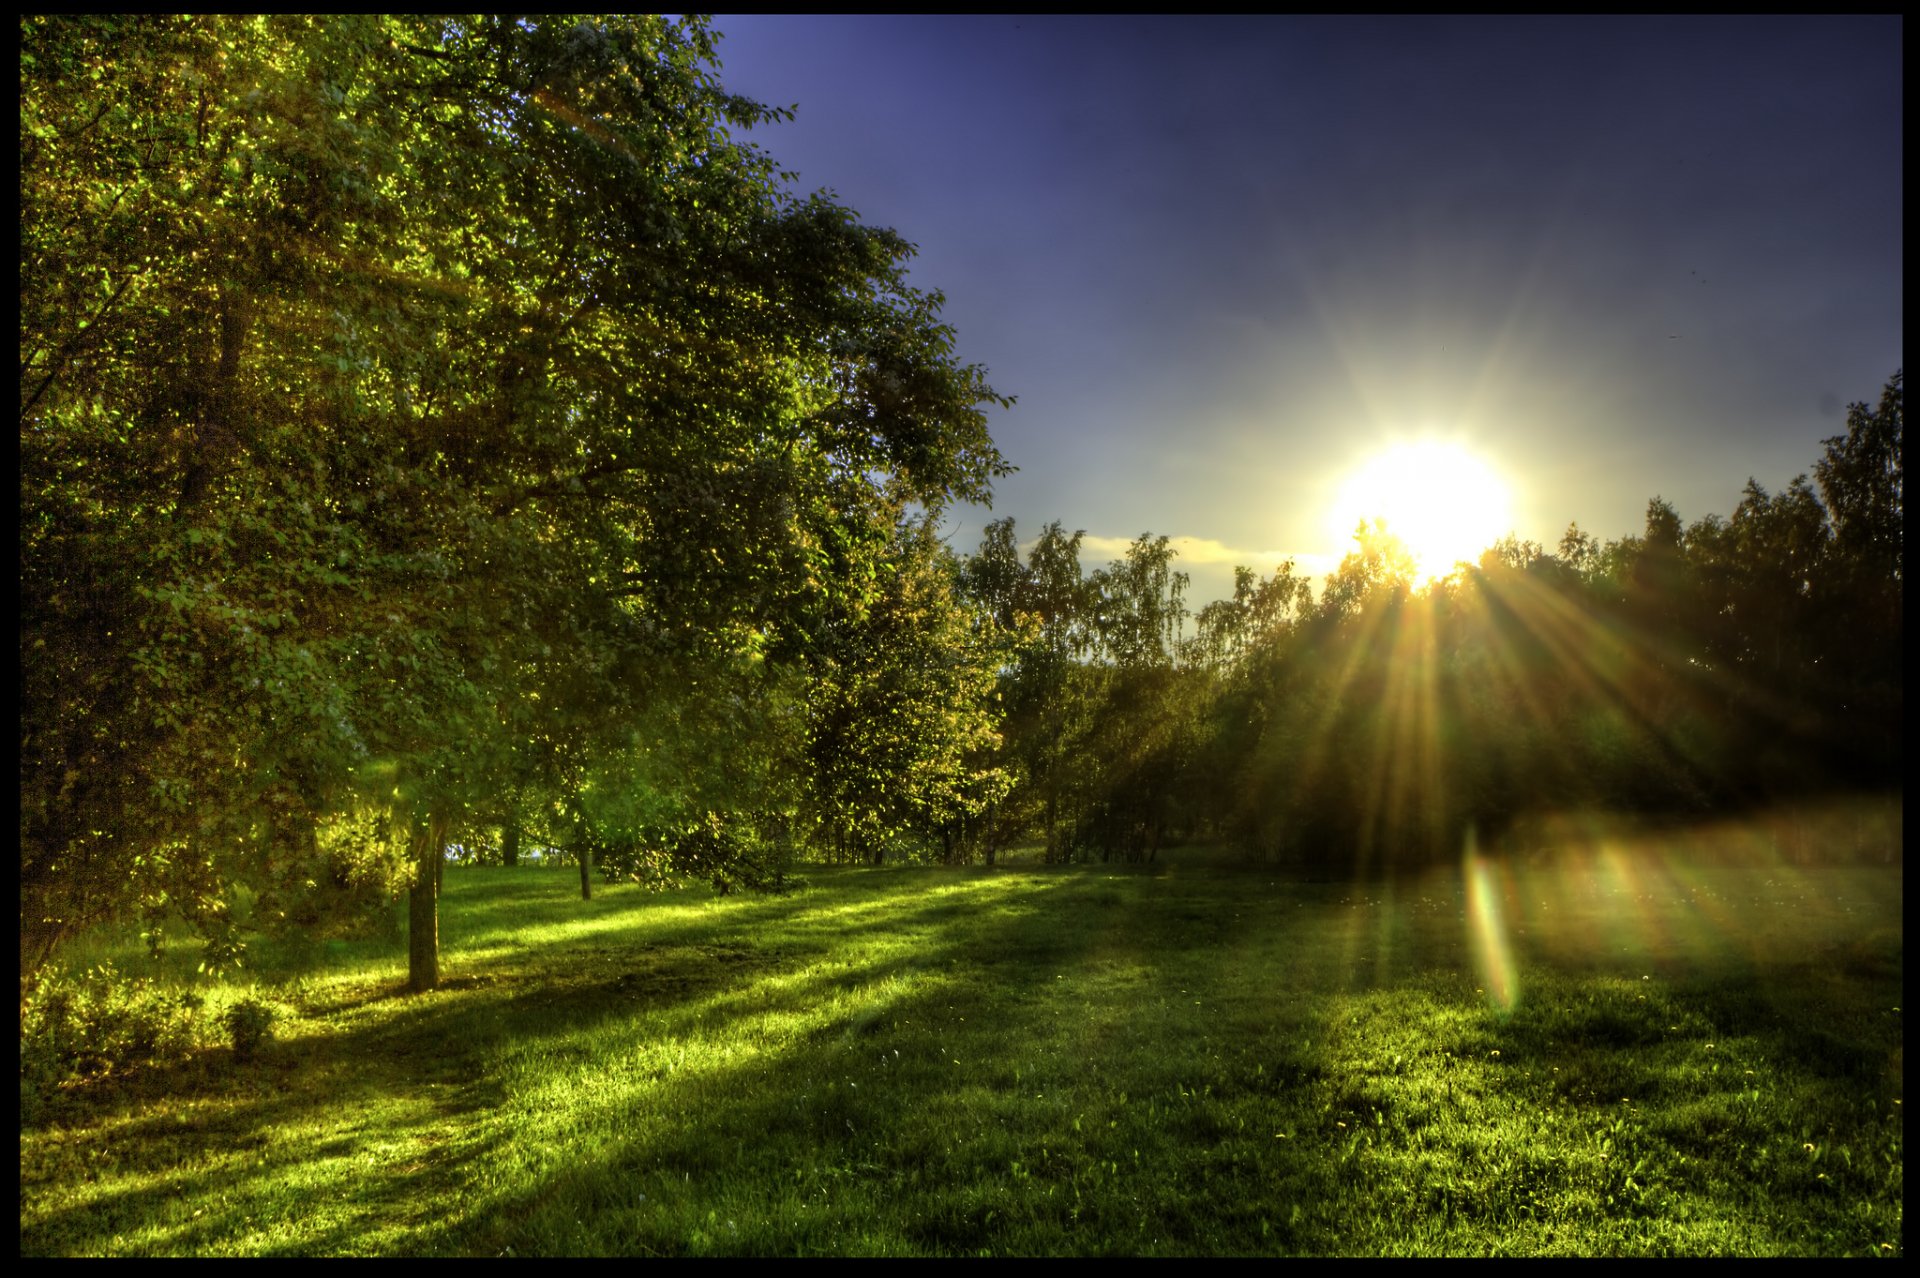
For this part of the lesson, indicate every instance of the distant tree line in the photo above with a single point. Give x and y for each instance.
(1691, 669)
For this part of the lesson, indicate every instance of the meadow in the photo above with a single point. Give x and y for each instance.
(1617, 1051)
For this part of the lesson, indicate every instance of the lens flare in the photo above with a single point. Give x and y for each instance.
(1487, 931)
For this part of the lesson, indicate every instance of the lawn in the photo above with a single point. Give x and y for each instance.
(1606, 1054)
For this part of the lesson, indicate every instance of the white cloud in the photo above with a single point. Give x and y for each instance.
(1205, 557)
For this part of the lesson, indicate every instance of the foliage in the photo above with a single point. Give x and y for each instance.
(1376, 573)
(730, 857)
(1033, 616)
(343, 885)
(403, 401)
(249, 1026)
(900, 732)
(1139, 734)
(1860, 478)
(1687, 670)
(94, 1025)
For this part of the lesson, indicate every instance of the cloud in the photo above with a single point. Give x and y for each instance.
(1205, 553)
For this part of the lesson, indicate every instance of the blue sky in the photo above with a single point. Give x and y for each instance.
(1221, 261)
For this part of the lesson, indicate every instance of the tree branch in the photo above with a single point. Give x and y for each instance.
(72, 347)
(562, 485)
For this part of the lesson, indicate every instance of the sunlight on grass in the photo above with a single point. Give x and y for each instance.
(1205, 1061)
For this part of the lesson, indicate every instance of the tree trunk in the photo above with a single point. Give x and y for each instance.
(423, 906)
(510, 843)
(586, 870)
(216, 431)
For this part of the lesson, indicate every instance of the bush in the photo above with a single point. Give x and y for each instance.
(341, 900)
(730, 856)
(249, 1025)
(95, 1025)
(728, 852)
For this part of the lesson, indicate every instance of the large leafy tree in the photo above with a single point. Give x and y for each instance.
(396, 385)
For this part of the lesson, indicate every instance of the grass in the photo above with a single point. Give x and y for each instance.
(1183, 1059)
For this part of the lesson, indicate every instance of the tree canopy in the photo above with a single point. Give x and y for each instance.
(396, 390)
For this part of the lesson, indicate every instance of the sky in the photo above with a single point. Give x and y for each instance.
(1221, 263)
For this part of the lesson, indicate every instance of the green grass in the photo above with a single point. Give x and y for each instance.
(1181, 1059)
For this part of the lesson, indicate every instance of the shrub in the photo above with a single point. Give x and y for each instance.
(730, 856)
(337, 899)
(249, 1025)
(729, 852)
(97, 1024)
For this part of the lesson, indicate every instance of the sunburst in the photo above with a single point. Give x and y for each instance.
(1444, 501)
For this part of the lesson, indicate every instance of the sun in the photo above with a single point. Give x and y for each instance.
(1442, 500)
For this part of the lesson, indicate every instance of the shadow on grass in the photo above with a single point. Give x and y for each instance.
(1063, 1059)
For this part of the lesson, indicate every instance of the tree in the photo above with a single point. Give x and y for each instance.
(1051, 700)
(1862, 604)
(902, 725)
(1379, 563)
(1040, 611)
(1236, 651)
(378, 372)
(1860, 477)
(1227, 631)
(1134, 753)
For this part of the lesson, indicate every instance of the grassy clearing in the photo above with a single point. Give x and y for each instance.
(1185, 1059)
